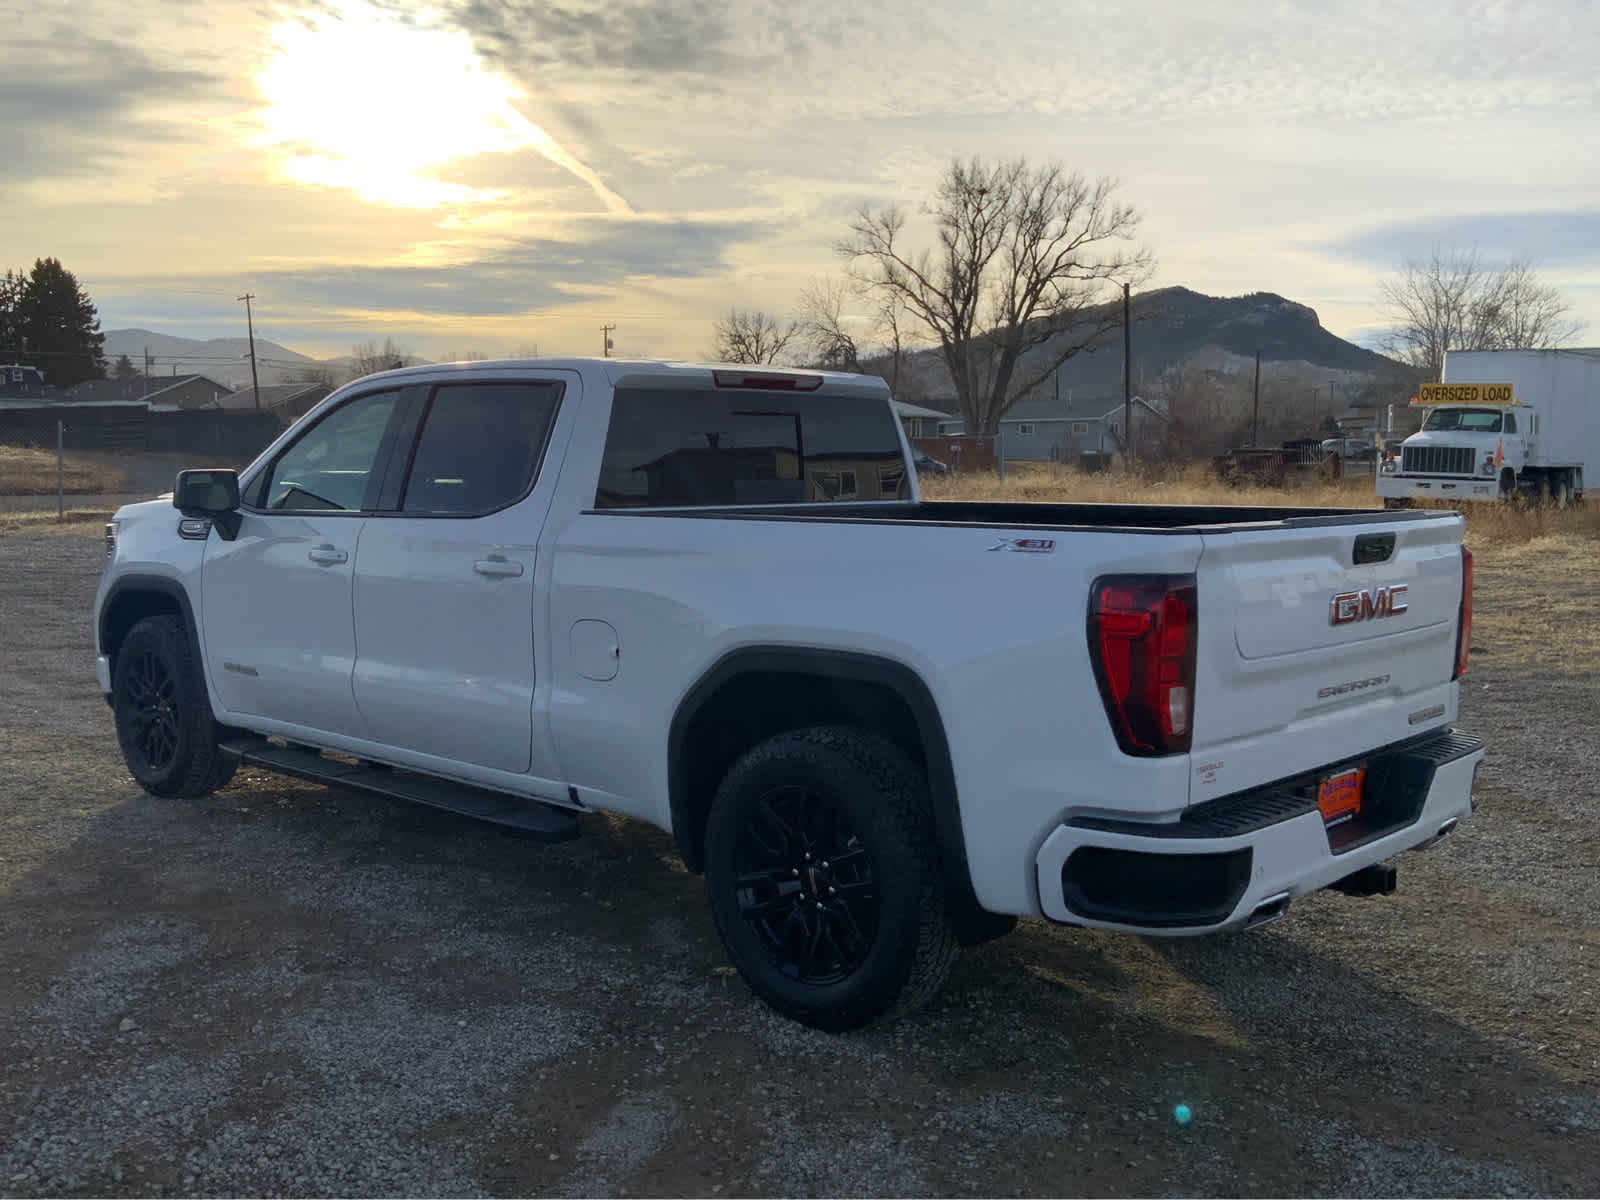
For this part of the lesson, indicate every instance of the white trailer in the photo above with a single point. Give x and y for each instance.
(1502, 424)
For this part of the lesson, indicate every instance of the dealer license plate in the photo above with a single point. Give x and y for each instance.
(1339, 796)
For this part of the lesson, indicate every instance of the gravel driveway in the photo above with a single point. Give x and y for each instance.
(291, 989)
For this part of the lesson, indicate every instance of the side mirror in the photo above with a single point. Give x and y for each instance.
(210, 494)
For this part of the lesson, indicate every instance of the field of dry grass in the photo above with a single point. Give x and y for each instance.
(26, 471)
(1040, 483)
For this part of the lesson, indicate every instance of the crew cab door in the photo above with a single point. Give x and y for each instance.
(445, 586)
(276, 601)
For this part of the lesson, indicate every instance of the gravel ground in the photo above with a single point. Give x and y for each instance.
(289, 989)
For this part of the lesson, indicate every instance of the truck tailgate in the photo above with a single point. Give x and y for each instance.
(1319, 642)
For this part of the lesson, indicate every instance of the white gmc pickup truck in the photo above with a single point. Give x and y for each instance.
(712, 598)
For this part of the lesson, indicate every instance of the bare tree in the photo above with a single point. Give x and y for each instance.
(1452, 300)
(825, 324)
(1203, 416)
(368, 357)
(871, 340)
(752, 336)
(1024, 259)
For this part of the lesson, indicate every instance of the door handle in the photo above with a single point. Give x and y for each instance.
(327, 554)
(497, 566)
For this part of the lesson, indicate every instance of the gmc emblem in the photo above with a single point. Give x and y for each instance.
(1349, 607)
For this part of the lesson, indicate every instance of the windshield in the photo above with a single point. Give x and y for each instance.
(1469, 420)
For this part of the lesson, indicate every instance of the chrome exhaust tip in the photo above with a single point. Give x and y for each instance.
(1444, 831)
(1268, 911)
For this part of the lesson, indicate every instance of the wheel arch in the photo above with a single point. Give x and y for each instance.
(132, 598)
(735, 705)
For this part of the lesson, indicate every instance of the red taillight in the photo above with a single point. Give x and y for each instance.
(1142, 641)
(1464, 622)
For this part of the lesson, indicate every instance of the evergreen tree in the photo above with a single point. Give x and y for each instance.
(11, 346)
(124, 368)
(59, 325)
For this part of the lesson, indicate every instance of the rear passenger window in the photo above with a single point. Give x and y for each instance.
(675, 448)
(480, 446)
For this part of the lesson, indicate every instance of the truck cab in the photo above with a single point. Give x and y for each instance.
(1472, 451)
(1503, 425)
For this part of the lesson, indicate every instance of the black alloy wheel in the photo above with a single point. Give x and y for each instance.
(148, 698)
(824, 880)
(169, 738)
(805, 885)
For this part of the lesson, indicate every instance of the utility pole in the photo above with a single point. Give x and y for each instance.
(1255, 412)
(605, 335)
(1127, 382)
(250, 324)
(146, 395)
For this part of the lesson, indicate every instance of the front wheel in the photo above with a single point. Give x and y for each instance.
(824, 881)
(168, 736)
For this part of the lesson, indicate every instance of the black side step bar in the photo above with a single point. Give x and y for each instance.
(542, 822)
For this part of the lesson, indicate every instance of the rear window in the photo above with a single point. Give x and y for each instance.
(674, 448)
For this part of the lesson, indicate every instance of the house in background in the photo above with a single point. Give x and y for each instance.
(1148, 420)
(164, 393)
(18, 382)
(920, 422)
(1039, 428)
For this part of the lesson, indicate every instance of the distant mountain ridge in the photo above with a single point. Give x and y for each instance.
(1176, 326)
(227, 360)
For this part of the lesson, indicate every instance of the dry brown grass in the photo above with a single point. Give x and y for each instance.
(1537, 601)
(1041, 482)
(25, 471)
(83, 522)
(1142, 485)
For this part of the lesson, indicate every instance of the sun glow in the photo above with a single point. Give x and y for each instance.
(377, 104)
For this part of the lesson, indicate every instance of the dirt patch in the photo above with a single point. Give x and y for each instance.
(290, 989)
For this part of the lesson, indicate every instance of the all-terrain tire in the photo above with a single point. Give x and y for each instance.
(168, 736)
(881, 831)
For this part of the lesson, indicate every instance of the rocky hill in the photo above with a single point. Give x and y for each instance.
(1179, 330)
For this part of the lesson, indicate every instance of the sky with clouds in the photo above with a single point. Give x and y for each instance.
(489, 175)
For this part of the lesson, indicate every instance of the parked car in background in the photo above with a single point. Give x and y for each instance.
(927, 464)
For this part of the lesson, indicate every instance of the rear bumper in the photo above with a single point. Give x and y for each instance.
(1239, 860)
(1437, 487)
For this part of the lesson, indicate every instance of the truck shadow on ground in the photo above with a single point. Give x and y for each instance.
(293, 989)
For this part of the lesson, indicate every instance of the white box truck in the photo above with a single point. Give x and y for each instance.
(1501, 425)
